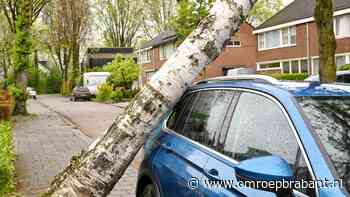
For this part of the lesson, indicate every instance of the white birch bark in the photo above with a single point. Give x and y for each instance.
(96, 170)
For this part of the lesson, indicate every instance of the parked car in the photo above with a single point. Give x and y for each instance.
(342, 77)
(250, 130)
(80, 92)
(94, 79)
(31, 92)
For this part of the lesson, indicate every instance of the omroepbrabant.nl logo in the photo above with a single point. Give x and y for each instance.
(194, 184)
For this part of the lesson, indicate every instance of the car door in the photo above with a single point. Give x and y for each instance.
(258, 127)
(180, 162)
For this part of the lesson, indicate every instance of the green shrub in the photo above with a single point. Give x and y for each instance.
(290, 77)
(117, 95)
(45, 83)
(104, 93)
(128, 94)
(345, 67)
(123, 71)
(7, 158)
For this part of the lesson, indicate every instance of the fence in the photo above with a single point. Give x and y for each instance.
(5, 105)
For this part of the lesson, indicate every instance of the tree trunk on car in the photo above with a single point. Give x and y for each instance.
(326, 39)
(95, 171)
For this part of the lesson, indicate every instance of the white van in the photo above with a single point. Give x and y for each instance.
(93, 79)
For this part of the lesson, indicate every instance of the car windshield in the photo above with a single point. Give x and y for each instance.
(330, 118)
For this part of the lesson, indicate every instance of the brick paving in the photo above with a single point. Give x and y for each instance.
(44, 143)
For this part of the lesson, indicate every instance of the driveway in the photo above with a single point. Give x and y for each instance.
(56, 130)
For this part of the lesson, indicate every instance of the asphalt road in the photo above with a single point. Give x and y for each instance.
(92, 118)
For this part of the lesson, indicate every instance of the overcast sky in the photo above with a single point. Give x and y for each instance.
(286, 2)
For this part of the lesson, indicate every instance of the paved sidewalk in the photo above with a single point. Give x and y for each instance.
(44, 144)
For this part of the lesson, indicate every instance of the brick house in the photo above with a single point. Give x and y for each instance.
(152, 55)
(239, 52)
(288, 42)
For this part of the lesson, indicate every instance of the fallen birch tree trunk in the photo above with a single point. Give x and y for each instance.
(96, 170)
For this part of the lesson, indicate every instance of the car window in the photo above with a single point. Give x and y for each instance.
(259, 128)
(178, 116)
(340, 79)
(202, 118)
(302, 172)
(346, 78)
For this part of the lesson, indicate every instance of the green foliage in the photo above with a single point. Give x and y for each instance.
(189, 14)
(7, 158)
(128, 94)
(294, 76)
(104, 93)
(344, 67)
(117, 95)
(48, 83)
(123, 72)
(263, 10)
(15, 91)
(23, 39)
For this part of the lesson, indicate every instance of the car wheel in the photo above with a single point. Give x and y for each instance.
(34, 97)
(150, 190)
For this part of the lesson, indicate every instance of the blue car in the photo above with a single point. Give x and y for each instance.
(251, 137)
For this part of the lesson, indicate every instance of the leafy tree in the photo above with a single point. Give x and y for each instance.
(189, 14)
(263, 10)
(20, 15)
(21, 54)
(123, 72)
(68, 23)
(120, 21)
(326, 39)
(156, 16)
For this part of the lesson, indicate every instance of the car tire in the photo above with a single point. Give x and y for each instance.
(150, 190)
(34, 97)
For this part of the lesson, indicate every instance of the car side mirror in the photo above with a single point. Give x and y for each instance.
(259, 172)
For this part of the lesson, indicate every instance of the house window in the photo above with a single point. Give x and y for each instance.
(261, 43)
(285, 67)
(342, 25)
(232, 43)
(144, 57)
(149, 74)
(340, 61)
(166, 51)
(277, 38)
(304, 66)
(316, 65)
(295, 66)
(288, 66)
(270, 66)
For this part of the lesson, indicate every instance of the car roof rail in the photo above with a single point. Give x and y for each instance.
(255, 78)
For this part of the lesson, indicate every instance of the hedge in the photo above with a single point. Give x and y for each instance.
(289, 77)
(345, 67)
(7, 158)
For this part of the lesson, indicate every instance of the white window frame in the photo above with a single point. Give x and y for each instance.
(149, 71)
(165, 47)
(281, 45)
(335, 27)
(233, 45)
(347, 60)
(281, 65)
(145, 56)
